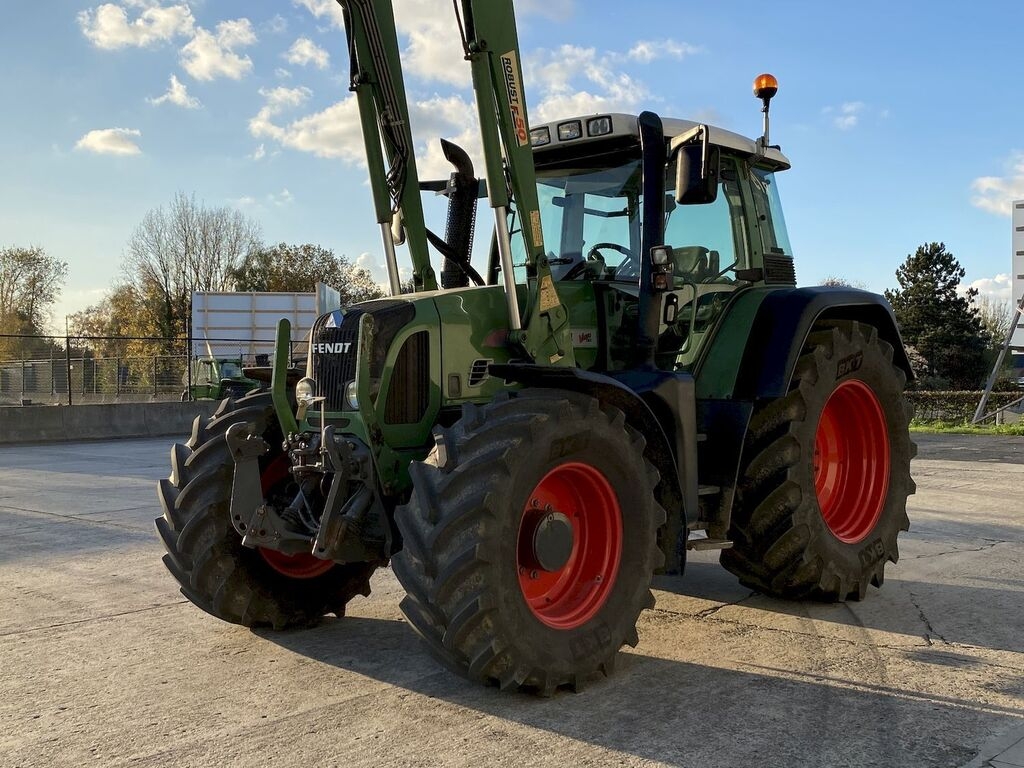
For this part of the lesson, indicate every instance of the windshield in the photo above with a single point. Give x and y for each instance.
(591, 221)
(592, 224)
(229, 370)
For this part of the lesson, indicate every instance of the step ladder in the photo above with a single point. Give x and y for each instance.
(1015, 324)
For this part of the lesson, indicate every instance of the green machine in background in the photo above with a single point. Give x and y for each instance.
(215, 378)
(633, 374)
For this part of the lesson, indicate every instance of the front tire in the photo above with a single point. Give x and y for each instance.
(251, 587)
(530, 540)
(826, 473)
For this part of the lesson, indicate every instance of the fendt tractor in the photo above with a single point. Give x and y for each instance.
(633, 374)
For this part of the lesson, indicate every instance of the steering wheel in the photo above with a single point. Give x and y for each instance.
(594, 253)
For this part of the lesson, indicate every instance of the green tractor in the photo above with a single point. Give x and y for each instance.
(634, 374)
(215, 378)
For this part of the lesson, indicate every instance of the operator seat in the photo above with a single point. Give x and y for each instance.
(692, 262)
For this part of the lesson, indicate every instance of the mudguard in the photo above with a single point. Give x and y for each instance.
(781, 326)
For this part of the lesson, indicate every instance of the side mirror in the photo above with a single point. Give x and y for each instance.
(697, 169)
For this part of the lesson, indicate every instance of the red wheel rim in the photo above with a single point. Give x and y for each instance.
(851, 461)
(303, 565)
(570, 596)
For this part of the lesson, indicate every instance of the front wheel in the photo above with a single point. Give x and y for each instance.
(251, 587)
(826, 473)
(530, 540)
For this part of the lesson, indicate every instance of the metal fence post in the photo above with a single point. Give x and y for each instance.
(154, 376)
(67, 359)
(188, 363)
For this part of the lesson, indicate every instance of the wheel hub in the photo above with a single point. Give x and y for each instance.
(851, 461)
(553, 541)
(569, 545)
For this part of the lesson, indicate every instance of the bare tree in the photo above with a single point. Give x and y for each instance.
(183, 248)
(995, 316)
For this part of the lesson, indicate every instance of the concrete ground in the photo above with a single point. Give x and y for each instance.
(102, 662)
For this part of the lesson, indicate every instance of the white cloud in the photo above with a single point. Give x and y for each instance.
(335, 131)
(178, 95)
(846, 116)
(283, 198)
(571, 80)
(109, 27)
(646, 51)
(110, 141)
(304, 51)
(277, 25)
(210, 56)
(433, 51)
(259, 153)
(996, 194)
(277, 100)
(323, 8)
(998, 289)
(261, 204)
(282, 73)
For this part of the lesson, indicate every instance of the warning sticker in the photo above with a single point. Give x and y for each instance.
(548, 294)
(538, 233)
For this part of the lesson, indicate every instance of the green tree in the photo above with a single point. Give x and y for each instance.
(30, 283)
(298, 268)
(833, 281)
(939, 320)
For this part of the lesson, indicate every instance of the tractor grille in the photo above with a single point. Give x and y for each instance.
(335, 337)
(409, 392)
(779, 269)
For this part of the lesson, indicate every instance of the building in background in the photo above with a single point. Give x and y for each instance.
(1018, 277)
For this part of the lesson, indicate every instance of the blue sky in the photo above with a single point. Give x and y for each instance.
(903, 120)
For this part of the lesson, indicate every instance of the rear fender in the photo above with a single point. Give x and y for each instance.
(784, 321)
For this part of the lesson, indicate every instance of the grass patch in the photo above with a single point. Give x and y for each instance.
(962, 428)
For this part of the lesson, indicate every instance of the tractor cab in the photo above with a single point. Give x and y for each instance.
(718, 234)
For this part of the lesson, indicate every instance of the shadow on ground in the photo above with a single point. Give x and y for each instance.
(655, 709)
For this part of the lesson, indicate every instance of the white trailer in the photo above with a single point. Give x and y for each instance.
(244, 325)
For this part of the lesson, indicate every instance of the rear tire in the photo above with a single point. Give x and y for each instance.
(826, 473)
(204, 552)
(477, 592)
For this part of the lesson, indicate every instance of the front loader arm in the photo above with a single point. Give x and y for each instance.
(376, 79)
(491, 44)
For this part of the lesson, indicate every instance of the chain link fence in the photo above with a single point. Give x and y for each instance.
(52, 370)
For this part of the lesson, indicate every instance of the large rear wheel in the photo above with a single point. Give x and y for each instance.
(826, 474)
(251, 587)
(530, 540)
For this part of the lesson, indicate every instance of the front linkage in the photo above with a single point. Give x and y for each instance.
(342, 524)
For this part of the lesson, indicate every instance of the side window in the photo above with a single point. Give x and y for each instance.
(770, 222)
(709, 241)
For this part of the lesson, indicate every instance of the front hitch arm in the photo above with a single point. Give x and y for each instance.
(255, 520)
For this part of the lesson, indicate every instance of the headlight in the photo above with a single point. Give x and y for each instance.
(352, 396)
(305, 390)
(569, 131)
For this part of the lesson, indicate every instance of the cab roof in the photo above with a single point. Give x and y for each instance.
(626, 125)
